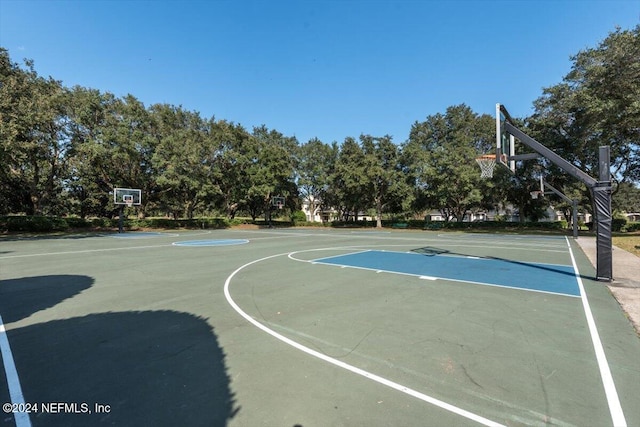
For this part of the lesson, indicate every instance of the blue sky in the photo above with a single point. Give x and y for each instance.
(326, 69)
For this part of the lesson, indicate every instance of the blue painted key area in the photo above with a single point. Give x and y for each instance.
(558, 279)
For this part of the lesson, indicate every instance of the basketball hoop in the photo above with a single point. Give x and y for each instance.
(535, 194)
(487, 163)
(277, 202)
(128, 200)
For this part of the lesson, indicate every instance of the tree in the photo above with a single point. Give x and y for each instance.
(90, 182)
(596, 104)
(270, 171)
(232, 157)
(384, 174)
(113, 145)
(349, 180)
(627, 198)
(316, 161)
(34, 140)
(14, 88)
(443, 149)
(185, 159)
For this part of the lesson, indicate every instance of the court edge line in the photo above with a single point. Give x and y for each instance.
(615, 408)
(86, 251)
(13, 382)
(406, 390)
(133, 236)
(210, 243)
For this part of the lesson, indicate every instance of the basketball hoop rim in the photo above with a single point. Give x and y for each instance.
(492, 156)
(487, 163)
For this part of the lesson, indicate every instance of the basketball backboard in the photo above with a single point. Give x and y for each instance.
(505, 142)
(127, 196)
(277, 202)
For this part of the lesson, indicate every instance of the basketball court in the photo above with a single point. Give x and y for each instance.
(311, 327)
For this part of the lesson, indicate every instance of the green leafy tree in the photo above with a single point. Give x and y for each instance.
(349, 180)
(271, 170)
(596, 104)
(34, 137)
(14, 127)
(443, 149)
(113, 146)
(627, 198)
(90, 183)
(384, 175)
(315, 164)
(185, 159)
(232, 157)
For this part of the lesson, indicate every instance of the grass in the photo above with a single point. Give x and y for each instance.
(630, 242)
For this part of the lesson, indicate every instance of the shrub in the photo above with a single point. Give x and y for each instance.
(298, 217)
(617, 224)
(103, 222)
(433, 225)
(34, 223)
(633, 226)
(171, 224)
(74, 222)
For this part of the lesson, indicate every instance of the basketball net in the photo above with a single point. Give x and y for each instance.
(487, 163)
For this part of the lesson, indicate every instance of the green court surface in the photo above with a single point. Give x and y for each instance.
(311, 327)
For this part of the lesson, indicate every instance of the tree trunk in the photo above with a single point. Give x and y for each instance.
(312, 211)
(379, 213)
(231, 210)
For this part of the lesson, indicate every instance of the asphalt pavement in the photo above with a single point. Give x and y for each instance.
(625, 286)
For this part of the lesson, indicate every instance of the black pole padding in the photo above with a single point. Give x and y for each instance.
(121, 220)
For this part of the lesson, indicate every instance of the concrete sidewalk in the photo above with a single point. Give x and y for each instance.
(626, 274)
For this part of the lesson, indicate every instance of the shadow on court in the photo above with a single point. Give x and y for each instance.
(68, 235)
(160, 368)
(433, 251)
(20, 298)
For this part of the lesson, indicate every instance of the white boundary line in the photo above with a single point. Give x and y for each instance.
(615, 408)
(86, 251)
(343, 365)
(210, 243)
(142, 235)
(15, 391)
